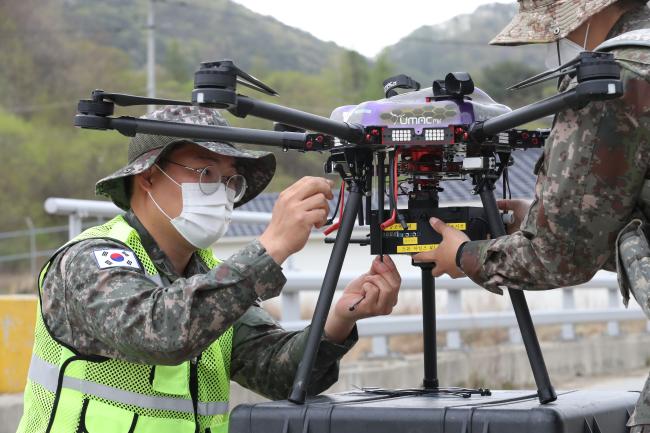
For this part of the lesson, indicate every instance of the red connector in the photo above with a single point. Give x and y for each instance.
(337, 224)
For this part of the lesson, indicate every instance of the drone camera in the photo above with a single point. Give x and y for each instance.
(459, 84)
(455, 85)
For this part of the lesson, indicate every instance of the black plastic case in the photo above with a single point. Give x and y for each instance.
(503, 412)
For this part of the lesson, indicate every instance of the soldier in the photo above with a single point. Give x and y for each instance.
(142, 328)
(592, 192)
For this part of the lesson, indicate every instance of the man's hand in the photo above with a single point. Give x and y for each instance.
(298, 209)
(519, 210)
(444, 256)
(372, 294)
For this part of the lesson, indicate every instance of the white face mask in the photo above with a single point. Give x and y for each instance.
(204, 217)
(560, 52)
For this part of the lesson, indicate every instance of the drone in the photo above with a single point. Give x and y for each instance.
(407, 144)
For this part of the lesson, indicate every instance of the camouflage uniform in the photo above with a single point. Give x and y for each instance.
(118, 313)
(588, 189)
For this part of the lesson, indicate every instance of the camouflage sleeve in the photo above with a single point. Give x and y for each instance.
(594, 165)
(120, 313)
(265, 357)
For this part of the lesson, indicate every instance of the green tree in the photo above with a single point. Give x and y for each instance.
(381, 69)
(496, 79)
(354, 71)
(176, 63)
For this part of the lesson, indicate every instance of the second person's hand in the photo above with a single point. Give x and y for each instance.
(444, 257)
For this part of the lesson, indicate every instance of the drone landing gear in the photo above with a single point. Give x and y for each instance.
(430, 383)
(545, 390)
(326, 294)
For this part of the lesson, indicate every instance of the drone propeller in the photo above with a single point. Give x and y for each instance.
(125, 100)
(251, 82)
(567, 68)
(102, 104)
(215, 84)
(586, 66)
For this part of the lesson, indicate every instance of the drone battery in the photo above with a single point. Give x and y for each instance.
(417, 235)
(502, 412)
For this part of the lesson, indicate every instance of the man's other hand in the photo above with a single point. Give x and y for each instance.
(299, 208)
(371, 294)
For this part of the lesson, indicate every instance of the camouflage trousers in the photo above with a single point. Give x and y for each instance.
(640, 419)
(633, 269)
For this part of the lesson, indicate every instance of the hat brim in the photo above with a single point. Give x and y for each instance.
(549, 22)
(257, 167)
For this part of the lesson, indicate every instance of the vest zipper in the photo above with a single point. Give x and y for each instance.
(194, 390)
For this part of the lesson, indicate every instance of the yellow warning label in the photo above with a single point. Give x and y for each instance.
(398, 227)
(414, 226)
(416, 248)
(410, 241)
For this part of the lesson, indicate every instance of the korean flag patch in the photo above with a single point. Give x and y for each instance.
(114, 258)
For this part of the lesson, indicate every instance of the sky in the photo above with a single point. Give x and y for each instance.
(366, 26)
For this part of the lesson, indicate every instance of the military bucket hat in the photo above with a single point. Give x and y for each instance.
(145, 150)
(541, 21)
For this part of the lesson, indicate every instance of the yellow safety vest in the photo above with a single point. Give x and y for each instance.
(67, 392)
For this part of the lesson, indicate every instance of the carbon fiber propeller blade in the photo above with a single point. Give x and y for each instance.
(125, 100)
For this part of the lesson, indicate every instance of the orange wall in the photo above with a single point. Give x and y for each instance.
(17, 320)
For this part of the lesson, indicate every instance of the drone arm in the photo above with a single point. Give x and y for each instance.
(130, 126)
(290, 116)
(576, 98)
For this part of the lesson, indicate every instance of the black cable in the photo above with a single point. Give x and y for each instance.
(330, 220)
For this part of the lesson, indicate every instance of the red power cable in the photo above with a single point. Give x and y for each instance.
(337, 224)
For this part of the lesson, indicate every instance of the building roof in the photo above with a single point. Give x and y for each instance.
(522, 185)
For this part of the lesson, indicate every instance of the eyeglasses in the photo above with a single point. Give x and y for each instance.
(210, 178)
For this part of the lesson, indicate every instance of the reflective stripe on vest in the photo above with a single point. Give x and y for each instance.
(62, 396)
(46, 375)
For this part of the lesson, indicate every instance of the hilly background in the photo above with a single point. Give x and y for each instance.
(198, 30)
(56, 52)
(461, 44)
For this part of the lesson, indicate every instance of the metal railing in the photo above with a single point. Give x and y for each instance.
(77, 210)
(22, 246)
(381, 328)
(78, 213)
(455, 320)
